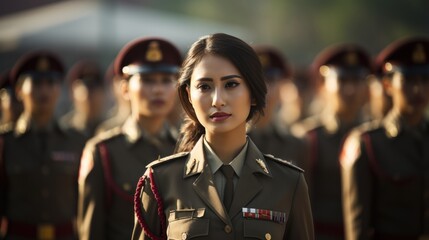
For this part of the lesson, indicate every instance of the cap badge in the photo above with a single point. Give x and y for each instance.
(154, 53)
(264, 59)
(43, 64)
(419, 55)
(388, 67)
(324, 70)
(351, 58)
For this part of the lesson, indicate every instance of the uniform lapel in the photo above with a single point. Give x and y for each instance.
(249, 185)
(204, 185)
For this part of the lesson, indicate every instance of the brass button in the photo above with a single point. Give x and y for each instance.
(267, 236)
(228, 229)
(184, 236)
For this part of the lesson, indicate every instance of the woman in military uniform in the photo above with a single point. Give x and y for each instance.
(385, 164)
(114, 160)
(220, 186)
(39, 158)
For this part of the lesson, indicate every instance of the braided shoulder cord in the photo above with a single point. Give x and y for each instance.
(138, 210)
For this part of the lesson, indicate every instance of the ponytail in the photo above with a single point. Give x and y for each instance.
(190, 132)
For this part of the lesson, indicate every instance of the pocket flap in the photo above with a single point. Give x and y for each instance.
(186, 213)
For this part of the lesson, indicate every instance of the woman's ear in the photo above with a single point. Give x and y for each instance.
(124, 89)
(189, 94)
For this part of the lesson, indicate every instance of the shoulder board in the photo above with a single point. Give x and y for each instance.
(300, 129)
(6, 127)
(284, 162)
(167, 159)
(104, 135)
(369, 126)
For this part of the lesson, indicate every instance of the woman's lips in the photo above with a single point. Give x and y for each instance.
(219, 116)
(158, 102)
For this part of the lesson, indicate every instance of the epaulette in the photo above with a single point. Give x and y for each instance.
(6, 127)
(104, 135)
(284, 162)
(368, 126)
(300, 129)
(167, 159)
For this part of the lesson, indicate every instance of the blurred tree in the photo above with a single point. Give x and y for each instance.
(302, 28)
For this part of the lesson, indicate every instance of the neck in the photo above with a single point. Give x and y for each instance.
(6, 116)
(347, 117)
(41, 120)
(152, 125)
(227, 145)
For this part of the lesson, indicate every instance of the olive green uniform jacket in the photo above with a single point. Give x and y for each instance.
(385, 171)
(111, 167)
(38, 180)
(181, 189)
(276, 139)
(325, 135)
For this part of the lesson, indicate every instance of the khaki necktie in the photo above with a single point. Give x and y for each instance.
(228, 192)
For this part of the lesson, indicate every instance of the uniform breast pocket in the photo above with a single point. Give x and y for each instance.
(263, 229)
(187, 224)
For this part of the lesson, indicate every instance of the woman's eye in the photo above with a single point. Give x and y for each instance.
(231, 84)
(203, 87)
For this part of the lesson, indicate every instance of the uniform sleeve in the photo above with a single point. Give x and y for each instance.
(3, 183)
(356, 189)
(91, 203)
(300, 223)
(146, 210)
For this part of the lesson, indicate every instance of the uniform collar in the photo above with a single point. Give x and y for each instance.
(25, 124)
(215, 163)
(333, 125)
(133, 132)
(254, 159)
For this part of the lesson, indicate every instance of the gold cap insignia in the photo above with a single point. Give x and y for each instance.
(324, 70)
(264, 59)
(154, 53)
(42, 64)
(419, 55)
(351, 58)
(388, 67)
(262, 165)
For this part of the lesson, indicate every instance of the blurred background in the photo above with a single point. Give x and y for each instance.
(97, 29)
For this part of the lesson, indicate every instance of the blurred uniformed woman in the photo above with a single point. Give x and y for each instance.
(39, 159)
(343, 70)
(87, 93)
(385, 164)
(220, 186)
(114, 160)
(270, 133)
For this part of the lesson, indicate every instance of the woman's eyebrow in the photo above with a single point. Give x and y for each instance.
(230, 76)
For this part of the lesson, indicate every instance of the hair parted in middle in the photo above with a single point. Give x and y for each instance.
(242, 56)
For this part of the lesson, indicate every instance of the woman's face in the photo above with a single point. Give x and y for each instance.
(219, 95)
(40, 95)
(152, 95)
(409, 93)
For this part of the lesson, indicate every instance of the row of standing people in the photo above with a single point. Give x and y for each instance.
(366, 162)
(114, 160)
(365, 154)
